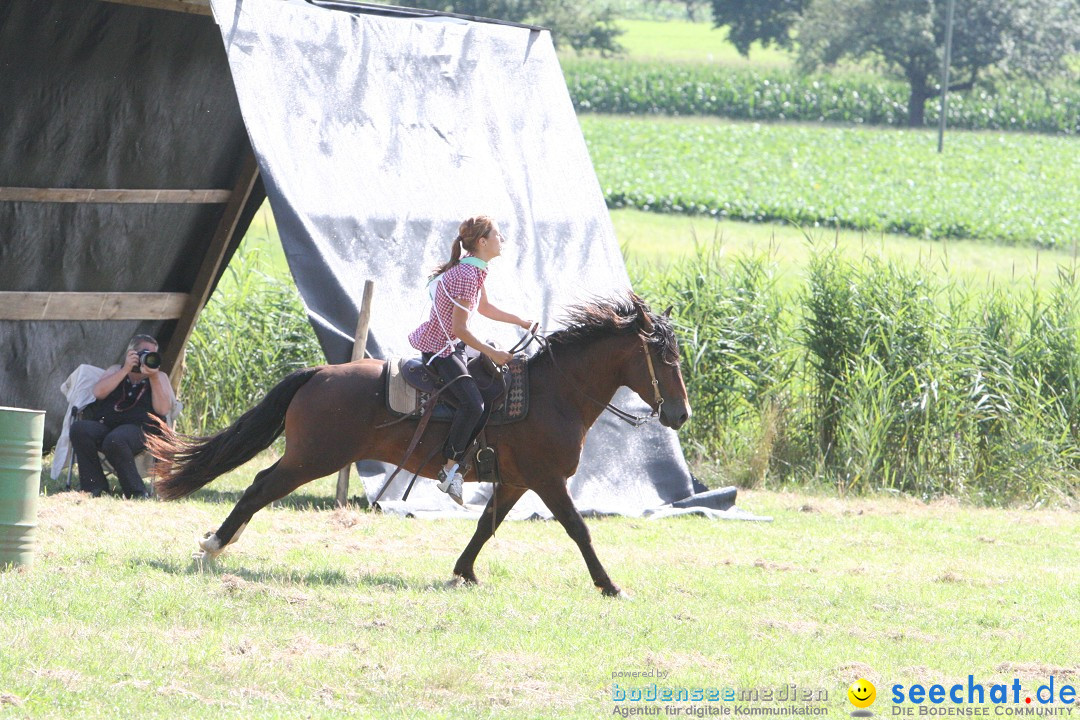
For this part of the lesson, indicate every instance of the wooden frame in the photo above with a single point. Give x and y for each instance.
(197, 7)
(211, 265)
(85, 195)
(91, 305)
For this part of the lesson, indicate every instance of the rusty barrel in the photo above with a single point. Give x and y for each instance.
(21, 433)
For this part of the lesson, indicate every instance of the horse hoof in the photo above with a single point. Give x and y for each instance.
(210, 547)
(463, 579)
(612, 591)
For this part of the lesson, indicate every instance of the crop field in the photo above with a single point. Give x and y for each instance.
(768, 94)
(1010, 188)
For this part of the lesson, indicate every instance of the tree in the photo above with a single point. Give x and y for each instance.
(768, 21)
(1021, 38)
(1028, 38)
(579, 25)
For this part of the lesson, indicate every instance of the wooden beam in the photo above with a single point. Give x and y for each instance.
(85, 195)
(211, 264)
(198, 7)
(91, 305)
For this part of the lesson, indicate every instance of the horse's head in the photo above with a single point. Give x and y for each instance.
(657, 376)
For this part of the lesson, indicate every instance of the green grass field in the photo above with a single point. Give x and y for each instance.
(684, 41)
(651, 240)
(334, 613)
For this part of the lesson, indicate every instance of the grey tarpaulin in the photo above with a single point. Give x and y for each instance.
(377, 134)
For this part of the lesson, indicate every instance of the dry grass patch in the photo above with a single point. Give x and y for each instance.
(793, 627)
(1037, 671)
(842, 674)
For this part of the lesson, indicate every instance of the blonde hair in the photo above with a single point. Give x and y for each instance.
(469, 234)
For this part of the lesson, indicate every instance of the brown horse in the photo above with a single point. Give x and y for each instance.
(331, 417)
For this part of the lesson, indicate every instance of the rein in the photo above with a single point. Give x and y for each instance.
(628, 418)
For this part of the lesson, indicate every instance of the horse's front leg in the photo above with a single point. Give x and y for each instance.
(557, 499)
(502, 500)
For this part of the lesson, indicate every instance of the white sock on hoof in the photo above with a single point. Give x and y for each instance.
(236, 535)
(210, 545)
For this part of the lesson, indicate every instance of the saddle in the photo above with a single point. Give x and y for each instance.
(410, 387)
(410, 384)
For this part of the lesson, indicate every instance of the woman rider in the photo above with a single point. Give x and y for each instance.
(457, 289)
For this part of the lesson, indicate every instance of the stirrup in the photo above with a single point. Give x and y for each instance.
(451, 486)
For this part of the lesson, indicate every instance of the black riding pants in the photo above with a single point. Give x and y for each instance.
(470, 404)
(119, 446)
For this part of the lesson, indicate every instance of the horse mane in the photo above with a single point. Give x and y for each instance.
(603, 318)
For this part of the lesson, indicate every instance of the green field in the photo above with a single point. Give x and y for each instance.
(338, 613)
(1011, 188)
(684, 41)
(654, 240)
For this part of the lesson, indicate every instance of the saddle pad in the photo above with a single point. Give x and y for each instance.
(403, 399)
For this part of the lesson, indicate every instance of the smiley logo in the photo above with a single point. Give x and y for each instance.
(862, 693)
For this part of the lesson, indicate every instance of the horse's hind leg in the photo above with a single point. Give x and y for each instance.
(273, 483)
(557, 498)
(502, 500)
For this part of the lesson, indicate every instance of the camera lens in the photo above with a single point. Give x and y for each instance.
(150, 359)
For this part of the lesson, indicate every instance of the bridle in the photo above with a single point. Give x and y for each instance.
(628, 418)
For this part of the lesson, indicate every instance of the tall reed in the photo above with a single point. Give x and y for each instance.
(252, 333)
(876, 376)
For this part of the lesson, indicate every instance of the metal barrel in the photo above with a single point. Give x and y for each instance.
(21, 433)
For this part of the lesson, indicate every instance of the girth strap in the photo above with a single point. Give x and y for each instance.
(429, 410)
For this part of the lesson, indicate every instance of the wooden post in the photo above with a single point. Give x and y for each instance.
(177, 376)
(359, 345)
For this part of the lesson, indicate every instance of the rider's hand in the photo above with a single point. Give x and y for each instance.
(500, 357)
(530, 325)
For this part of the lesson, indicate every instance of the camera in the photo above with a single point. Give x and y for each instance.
(149, 358)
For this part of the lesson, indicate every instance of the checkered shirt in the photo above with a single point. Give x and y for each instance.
(461, 282)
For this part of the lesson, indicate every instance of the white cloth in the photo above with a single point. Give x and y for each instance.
(79, 391)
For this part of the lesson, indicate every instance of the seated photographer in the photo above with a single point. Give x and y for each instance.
(127, 396)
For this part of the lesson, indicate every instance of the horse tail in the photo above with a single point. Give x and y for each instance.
(185, 464)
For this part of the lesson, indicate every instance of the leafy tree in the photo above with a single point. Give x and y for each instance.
(582, 26)
(769, 21)
(1030, 38)
(1019, 38)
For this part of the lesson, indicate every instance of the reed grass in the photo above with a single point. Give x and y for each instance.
(879, 376)
(253, 332)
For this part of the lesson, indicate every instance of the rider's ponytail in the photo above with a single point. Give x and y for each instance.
(469, 234)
